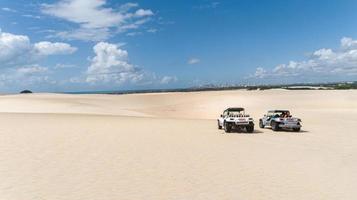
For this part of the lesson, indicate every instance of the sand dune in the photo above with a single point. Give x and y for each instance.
(167, 146)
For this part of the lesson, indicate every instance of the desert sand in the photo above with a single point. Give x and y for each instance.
(167, 146)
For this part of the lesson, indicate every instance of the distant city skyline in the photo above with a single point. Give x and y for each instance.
(84, 45)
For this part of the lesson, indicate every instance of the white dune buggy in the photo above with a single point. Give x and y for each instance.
(235, 119)
(280, 119)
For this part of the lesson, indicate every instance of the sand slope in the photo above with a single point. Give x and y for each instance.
(167, 146)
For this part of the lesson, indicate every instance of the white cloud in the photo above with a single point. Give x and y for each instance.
(324, 62)
(32, 16)
(152, 30)
(25, 76)
(18, 58)
(127, 6)
(49, 48)
(260, 72)
(134, 25)
(110, 64)
(93, 17)
(87, 13)
(193, 61)
(143, 13)
(8, 9)
(168, 79)
(85, 34)
(324, 54)
(134, 33)
(14, 48)
(18, 50)
(64, 66)
(348, 43)
(29, 70)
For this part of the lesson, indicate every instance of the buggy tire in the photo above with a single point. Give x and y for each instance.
(219, 125)
(261, 125)
(250, 128)
(296, 129)
(227, 127)
(275, 126)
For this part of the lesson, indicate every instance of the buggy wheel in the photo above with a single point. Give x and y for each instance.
(275, 126)
(250, 128)
(219, 125)
(296, 129)
(261, 125)
(227, 127)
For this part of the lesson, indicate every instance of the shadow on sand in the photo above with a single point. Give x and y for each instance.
(287, 131)
(267, 131)
(243, 132)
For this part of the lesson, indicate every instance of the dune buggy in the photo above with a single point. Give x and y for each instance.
(235, 119)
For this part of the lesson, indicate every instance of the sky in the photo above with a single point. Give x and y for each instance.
(100, 45)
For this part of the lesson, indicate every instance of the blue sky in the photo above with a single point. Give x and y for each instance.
(78, 45)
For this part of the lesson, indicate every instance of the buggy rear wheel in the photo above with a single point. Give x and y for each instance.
(219, 125)
(261, 125)
(296, 129)
(275, 126)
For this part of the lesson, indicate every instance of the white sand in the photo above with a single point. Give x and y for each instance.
(167, 146)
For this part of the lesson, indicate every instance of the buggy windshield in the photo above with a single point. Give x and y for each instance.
(279, 113)
(235, 113)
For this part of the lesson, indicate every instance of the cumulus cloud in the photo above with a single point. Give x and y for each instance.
(18, 49)
(49, 48)
(323, 62)
(14, 48)
(19, 58)
(193, 61)
(110, 64)
(260, 72)
(143, 13)
(95, 17)
(348, 43)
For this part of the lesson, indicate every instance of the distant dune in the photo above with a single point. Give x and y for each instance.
(167, 146)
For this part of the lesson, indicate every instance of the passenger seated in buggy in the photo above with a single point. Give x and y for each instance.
(285, 115)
